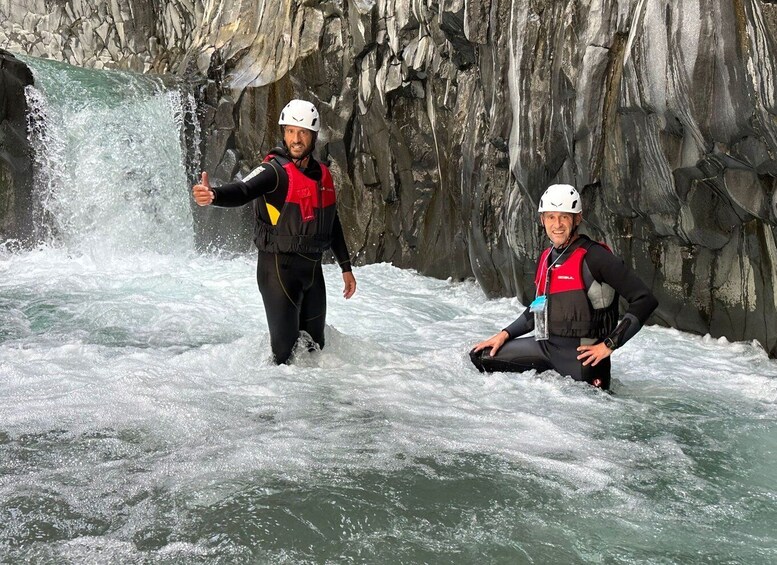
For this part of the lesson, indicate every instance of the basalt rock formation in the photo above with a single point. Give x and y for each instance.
(445, 120)
(16, 171)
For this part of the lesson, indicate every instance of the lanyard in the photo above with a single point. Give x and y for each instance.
(547, 270)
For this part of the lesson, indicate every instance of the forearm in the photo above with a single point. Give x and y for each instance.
(339, 247)
(523, 325)
(625, 330)
(231, 195)
(262, 180)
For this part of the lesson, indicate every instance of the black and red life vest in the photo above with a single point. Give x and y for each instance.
(305, 222)
(570, 311)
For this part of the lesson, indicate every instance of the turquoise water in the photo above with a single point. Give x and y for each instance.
(142, 422)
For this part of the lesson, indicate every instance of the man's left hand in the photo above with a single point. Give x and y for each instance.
(592, 354)
(350, 284)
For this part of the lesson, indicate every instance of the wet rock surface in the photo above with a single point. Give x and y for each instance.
(16, 171)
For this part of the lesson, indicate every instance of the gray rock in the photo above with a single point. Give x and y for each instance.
(16, 171)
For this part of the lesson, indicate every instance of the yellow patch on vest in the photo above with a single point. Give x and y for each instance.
(274, 213)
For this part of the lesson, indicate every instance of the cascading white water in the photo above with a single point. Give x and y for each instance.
(141, 422)
(111, 167)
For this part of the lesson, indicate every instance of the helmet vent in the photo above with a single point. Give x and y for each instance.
(300, 113)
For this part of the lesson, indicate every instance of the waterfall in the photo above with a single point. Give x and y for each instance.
(111, 163)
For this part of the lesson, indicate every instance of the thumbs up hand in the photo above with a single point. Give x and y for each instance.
(202, 192)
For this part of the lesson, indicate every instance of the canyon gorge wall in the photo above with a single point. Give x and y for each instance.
(445, 120)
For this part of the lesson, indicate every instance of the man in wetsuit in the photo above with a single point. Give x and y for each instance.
(296, 221)
(575, 311)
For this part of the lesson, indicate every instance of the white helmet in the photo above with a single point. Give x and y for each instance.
(300, 113)
(560, 198)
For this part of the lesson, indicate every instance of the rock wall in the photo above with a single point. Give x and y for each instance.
(445, 119)
(15, 157)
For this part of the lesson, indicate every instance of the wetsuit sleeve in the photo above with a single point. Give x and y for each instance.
(610, 269)
(339, 248)
(262, 180)
(523, 325)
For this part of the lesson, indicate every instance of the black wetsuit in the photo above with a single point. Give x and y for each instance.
(291, 284)
(602, 273)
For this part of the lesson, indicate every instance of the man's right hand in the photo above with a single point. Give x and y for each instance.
(202, 192)
(494, 342)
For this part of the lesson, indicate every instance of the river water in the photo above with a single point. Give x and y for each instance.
(142, 422)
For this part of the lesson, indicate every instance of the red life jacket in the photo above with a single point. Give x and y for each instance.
(307, 217)
(570, 311)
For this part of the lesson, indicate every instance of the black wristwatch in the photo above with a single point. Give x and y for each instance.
(610, 343)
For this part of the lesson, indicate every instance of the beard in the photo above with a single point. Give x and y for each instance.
(298, 150)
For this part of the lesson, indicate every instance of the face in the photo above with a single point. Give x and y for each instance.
(559, 225)
(298, 140)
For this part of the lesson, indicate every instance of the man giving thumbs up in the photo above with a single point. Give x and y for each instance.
(296, 221)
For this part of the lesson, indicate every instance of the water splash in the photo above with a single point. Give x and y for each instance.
(111, 163)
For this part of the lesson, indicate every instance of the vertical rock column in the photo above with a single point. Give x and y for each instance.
(16, 171)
